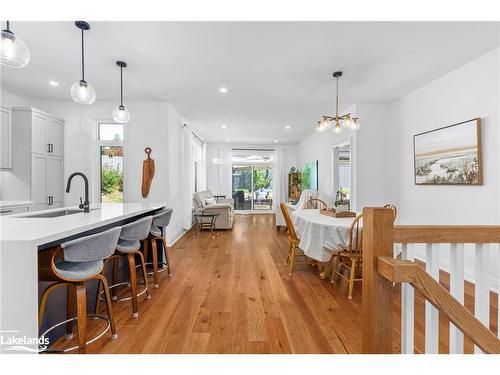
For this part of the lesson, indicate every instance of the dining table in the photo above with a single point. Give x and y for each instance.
(321, 235)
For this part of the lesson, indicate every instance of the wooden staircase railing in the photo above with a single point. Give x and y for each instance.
(381, 270)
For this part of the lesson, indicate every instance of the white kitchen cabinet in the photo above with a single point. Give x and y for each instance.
(39, 179)
(38, 158)
(55, 137)
(54, 177)
(39, 143)
(5, 138)
(5, 211)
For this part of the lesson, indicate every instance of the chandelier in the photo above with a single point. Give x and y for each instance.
(337, 122)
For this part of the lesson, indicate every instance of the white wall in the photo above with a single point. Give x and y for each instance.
(213, 149)
(373, 157)
(466, 93)
(155, 124)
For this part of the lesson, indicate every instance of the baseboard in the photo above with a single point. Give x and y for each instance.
(175, 237)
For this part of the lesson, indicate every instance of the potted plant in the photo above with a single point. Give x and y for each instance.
(341, 201)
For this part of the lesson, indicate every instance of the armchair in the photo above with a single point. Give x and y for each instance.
(223, 206)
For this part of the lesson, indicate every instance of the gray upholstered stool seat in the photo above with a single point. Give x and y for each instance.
(77, 271)
(128, 246)
(82, 260)
(157, 233)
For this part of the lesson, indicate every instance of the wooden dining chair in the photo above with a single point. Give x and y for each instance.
(394, 208)
(350, 259)
(293, 250)
(315, 203)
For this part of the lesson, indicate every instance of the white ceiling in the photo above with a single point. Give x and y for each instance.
(276, 73)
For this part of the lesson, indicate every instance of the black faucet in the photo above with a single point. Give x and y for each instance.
(86, 204)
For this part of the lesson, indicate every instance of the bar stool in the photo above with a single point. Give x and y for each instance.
(157, 233)
(129, 245)
(72, 264)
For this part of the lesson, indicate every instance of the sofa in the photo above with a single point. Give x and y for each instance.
(223, 206)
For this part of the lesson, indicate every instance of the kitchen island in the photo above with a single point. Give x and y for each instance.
(23, 236)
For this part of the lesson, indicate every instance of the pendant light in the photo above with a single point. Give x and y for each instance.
(81, 91)
(120, 114)
(14, 52)
(337, 122)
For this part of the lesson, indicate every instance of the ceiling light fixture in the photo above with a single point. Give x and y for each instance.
(14, 52)
(337, 122)
(120, 114)
(54, 83)
(223, 90)
(276, 141)
(287, 127)
(223, 126)
(81, 91)
(228, 140)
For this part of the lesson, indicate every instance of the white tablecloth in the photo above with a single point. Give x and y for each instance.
(321, 235)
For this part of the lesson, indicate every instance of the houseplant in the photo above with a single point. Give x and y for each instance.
(341, 201)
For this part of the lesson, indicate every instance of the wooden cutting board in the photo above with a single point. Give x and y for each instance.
(148, 172)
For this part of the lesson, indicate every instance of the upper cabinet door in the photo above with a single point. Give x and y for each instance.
(39, 126)
(55, 179)
(5, 138)
(55, 137)
(39, 179)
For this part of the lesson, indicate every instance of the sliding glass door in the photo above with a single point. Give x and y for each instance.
(252, 187)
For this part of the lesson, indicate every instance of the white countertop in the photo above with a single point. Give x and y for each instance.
(15, 203)
(18, 228)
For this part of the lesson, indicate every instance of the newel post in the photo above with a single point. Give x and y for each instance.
(378, 235)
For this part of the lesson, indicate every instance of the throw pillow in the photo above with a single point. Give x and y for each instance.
(210, 201)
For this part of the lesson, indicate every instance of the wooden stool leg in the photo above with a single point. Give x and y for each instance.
(104, 282)
(292, 261)
(154, 250)
(81, 312)
(144, 274)
(167, 259)
(70, 309)
(133, 284)
(116, 276)
(351, 277)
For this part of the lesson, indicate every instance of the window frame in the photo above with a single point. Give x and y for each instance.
(97, 164)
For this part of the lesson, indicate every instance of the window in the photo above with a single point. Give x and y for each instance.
(253, 179)
(110, 150)
(197, 160)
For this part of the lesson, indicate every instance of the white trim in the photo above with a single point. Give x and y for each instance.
(175, 237)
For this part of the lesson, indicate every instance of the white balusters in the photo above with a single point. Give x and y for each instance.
(481, 289)
(431, 313)
(457, 291)
(407, 306)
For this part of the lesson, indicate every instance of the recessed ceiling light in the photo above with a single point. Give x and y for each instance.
(276, 141)
(228, 140)
(223, 90)
(54, 83)
(287, 127)
(223, 126)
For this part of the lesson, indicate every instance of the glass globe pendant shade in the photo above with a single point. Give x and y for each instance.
(324, 124)
(14, 52)
(337, 129)
(121, 115)
(348, 122)
(355, 125)
(82, 92)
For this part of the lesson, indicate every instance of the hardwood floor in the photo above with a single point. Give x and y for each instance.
(232, 294)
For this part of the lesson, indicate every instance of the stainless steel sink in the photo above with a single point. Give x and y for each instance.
(54, 213)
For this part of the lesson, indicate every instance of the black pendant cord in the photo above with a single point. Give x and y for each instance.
(8, 26)
(83, 59)
(121, 86)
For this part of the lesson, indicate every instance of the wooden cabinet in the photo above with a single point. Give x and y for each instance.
(38, 173)
(5, 138)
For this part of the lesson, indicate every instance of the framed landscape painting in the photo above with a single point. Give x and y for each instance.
(449, 155)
